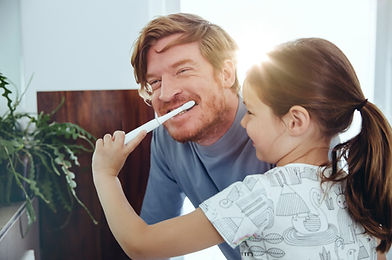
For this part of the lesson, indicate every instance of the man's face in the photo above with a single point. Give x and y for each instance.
(180, 74)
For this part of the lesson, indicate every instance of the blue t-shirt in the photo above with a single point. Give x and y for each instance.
(198, 172)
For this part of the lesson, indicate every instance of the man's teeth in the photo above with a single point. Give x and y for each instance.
(182, 112)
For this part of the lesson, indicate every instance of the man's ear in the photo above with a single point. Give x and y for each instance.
(228, 73)
(297, 120)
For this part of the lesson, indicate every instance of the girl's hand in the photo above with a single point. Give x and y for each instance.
(111, 152)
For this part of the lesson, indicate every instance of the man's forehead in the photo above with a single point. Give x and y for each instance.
(160, 44)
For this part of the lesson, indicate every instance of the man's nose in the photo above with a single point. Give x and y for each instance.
(169, 88)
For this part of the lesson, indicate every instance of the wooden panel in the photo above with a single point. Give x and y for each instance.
(98, 112)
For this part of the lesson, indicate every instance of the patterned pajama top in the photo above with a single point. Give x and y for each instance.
(285, 214)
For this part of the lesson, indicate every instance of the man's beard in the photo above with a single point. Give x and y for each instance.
(206, 129)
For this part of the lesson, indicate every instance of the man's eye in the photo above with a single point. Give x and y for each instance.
(180, 71)
(154, 84)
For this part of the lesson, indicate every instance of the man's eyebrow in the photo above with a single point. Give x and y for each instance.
(149, 76)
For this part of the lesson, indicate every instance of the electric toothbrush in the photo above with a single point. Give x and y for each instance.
(154, 123)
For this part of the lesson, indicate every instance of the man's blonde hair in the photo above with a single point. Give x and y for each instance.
(215, 44)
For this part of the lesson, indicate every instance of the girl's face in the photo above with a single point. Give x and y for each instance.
(266, 130)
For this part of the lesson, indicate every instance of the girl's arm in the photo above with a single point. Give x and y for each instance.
(177, 236)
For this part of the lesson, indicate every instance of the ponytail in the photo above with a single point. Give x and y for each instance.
(369, 179)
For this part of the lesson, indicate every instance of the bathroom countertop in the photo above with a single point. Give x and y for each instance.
(8, 214)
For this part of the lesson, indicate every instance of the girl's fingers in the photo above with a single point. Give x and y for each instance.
(107, 138)
(119, 136)
(99, 143)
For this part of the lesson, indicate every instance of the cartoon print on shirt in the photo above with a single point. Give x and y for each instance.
(259, 251)
(279, 177)
(258, 208)
(312, 227)
(233, 195)
(348, 230)
(290, 176)
(329, 202)
(250, 182)
(345, 223)
(309, 222)
(290, 203)
(271, 238)
(324, 255)
(362, 253)
(230, 225)
(313, 221)
(305, 215)
(310, 174)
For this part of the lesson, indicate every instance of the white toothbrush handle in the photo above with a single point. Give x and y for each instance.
(149, 126)
(152, 124)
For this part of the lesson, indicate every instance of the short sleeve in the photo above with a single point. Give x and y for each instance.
(240, 211)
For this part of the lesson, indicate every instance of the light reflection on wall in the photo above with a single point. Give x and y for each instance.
(257, 26)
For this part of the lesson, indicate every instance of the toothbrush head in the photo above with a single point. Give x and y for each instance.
(188, 105)
(176, 111)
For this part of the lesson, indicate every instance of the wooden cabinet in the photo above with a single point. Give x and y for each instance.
(98, 112)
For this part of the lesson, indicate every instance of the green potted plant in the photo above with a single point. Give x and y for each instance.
(37, 157)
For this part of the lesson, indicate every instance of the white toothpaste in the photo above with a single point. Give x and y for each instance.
(151, 125)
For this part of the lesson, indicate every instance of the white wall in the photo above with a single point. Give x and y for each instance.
(259, 25)
(383, 68)
(78, 45)
(82, 45)
(10, 45)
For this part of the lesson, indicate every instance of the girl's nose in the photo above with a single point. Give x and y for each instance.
(244, 120)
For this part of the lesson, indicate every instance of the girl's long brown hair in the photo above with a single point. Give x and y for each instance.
(315, 74)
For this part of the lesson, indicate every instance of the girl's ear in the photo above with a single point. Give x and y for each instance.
(228, 73)
(297, 120)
